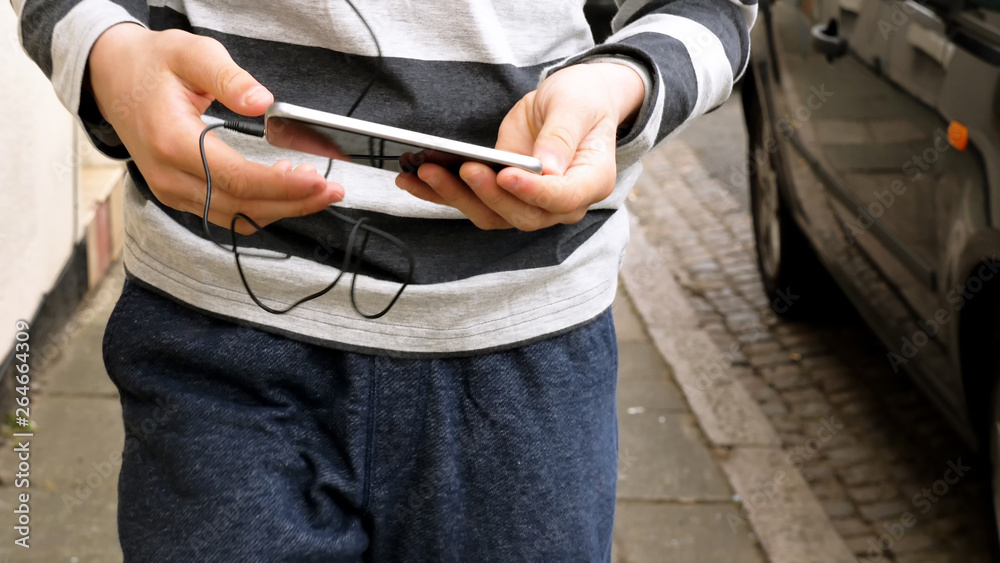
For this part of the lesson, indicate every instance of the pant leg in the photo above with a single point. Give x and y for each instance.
(240, 445)
(510, 456)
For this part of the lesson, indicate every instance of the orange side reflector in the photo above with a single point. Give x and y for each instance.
(958, 135)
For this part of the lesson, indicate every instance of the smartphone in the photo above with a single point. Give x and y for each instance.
(325, 134)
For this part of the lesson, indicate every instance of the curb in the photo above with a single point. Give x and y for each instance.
(785, 515)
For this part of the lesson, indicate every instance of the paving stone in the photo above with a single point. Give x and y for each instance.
(873, 493)
(851, 527)
(913, 541)
(669, 460)
(731, 305)
(829, 489)
(833, 380)
(844, 457)
(862, 474)
(859, 546)
(79, 367)
(769, 359)
(752, 336)
(774, 408)
(810, 409)
(881, 510)
(932, 557)
(651, 396)
(628, 327)
(655, 533)
(814, 473)
(638, 360)
(76, 451)
(762, 393)
(838, 508)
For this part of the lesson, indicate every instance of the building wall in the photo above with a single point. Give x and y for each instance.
(38, 179)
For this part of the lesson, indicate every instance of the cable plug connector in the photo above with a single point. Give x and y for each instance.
(245, 127)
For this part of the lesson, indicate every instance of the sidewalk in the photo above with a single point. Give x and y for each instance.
(673, 498)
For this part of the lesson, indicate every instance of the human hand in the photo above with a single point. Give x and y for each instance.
(153, 87)
(570, 125)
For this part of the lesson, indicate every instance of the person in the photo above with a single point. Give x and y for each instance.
(475, 420)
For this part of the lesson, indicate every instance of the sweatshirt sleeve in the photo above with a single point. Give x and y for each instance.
(58, 36)
(692, 52)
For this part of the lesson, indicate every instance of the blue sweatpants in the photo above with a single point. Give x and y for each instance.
(246, 446)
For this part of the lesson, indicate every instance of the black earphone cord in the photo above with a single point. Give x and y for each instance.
(347, 265)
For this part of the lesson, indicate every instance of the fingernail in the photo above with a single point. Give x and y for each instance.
(336, 192)
(475, 180)
(551, 164)
(510, 183)
(254, 96)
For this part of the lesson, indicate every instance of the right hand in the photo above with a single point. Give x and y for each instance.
(153, 87)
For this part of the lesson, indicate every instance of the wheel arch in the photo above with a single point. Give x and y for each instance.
(978, 334)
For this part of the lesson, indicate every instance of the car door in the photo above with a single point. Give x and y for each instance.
(857, 90)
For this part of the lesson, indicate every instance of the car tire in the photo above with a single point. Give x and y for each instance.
(795, 281)
(994, 445)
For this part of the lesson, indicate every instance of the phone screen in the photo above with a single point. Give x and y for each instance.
(324, 141)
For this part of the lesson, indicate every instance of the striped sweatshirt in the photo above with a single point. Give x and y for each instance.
(449, 68)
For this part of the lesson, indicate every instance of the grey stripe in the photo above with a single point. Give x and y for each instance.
(674, 72)
(725, 19)
(495, 32)
(40, 17)
(459, 100)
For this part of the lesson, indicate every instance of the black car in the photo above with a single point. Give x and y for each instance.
(875, 171)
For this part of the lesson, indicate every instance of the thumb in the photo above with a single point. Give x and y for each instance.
(206, 64)
(558, 140)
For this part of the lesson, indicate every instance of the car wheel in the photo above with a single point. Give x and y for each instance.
(796, 283)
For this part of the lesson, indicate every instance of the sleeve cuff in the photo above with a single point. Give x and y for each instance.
(642, 120)
(72, 39)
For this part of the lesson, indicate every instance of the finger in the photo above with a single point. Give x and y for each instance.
(418, 188)
(307, 168)
(562, 130)
(283, 165)
(265, 212)
(458, 195)
(515, 133)
(233, 173)
(187, 193)
(519, 214)
(206, 65)
(590, 178)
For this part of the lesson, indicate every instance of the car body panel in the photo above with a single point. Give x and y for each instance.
(897, 215)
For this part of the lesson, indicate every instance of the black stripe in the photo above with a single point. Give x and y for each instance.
(39, 18)
(726, 20)
(459, 100)
(444, 249)
(671, 67)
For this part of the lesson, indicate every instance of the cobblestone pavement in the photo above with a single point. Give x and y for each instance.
(871, 445)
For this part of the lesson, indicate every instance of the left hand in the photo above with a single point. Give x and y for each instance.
(570, 125)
